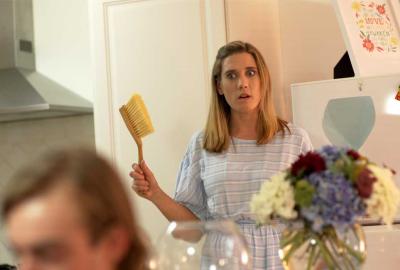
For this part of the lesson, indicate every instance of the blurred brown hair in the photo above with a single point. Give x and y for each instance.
(99, 191)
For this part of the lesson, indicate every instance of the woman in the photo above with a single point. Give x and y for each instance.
(243, 144)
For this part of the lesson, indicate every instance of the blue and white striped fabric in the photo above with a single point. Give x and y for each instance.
(221, 185)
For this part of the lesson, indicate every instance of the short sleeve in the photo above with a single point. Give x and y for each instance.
(189, 189)
(306, 144)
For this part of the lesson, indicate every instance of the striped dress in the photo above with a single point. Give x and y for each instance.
(220, 185)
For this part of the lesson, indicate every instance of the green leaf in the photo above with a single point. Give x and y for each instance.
(303, 193)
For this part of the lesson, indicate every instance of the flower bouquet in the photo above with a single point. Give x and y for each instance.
(321, 199)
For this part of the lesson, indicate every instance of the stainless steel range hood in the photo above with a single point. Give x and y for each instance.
(24, 92)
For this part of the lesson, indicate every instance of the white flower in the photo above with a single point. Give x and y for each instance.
(276, 198)
(385, 197)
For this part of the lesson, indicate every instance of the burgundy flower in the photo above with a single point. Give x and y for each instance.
(307, 164)
(353, 154)
(365, 182)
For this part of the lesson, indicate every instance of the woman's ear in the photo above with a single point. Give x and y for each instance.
(219, 89)
(115, 244)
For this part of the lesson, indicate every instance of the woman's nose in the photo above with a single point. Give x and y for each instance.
(243, 82)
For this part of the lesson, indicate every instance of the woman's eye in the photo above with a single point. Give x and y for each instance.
(231, 76)
(251, 73)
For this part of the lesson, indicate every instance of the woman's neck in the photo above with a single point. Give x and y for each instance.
(244, 126)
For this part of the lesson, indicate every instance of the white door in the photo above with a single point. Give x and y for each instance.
(163, 50)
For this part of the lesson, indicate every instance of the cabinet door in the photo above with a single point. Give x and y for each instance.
(161, 50)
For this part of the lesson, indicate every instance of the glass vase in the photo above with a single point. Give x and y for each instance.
(330, 249)
(211, 245)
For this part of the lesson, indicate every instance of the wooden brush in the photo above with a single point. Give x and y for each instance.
(137, 120)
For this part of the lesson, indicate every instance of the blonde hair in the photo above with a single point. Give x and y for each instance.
(99, 191)
(216, 134)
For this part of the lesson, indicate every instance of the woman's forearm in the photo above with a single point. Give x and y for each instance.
(172, 210)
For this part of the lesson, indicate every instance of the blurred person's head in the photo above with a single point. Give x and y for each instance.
(69, 211)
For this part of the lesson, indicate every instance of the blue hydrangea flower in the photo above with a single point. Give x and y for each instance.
(331, 153)
(335, 202)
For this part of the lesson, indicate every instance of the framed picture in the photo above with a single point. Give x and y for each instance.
(371, 31)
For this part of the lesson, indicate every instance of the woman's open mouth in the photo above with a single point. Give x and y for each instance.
(244, 96)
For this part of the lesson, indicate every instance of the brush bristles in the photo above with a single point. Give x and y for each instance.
(137, 118)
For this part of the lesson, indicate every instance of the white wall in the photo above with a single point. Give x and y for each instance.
(257, 22)
(311, 41)
(62, 43)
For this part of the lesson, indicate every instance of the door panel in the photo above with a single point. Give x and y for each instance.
(159, 49)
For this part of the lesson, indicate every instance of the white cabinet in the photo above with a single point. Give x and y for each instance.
(162, 50)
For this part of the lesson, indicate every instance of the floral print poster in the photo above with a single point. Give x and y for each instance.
(371, 32)
(377, 28)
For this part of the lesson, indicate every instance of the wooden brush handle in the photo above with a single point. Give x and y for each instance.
(139, 146)
(140, 152)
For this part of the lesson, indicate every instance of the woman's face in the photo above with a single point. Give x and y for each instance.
(240, 83)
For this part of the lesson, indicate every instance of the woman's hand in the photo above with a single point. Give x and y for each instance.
(144, 183)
